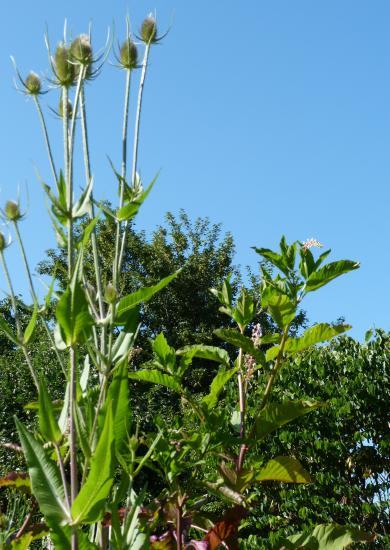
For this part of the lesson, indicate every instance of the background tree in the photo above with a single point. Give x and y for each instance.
(345, 447)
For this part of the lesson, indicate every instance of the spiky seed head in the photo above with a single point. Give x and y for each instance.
(33, 83)
(129, 54)
(3, 242)
(12, 211)
(81, 50)
(61, 108)
(110, 294)
(64, 68)
(149, 30)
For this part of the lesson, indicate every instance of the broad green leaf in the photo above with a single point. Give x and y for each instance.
(88, 231)
(276, 259)
(48, 424)
(5, 327)
(240, 341)
(118, 396)
(31, 326)
(17, 480)
(217, 385)
(22, 543)
(90, 503)
(314, 335)
(244, 310)
(73, 315)
(154, 376)
(45, 477)
(277, 414)
(211, 353)
(130, 209)
(127, 303)
(61, 537)
(280, 307)
(284, 468)
(331, 536)
(329, 272)
(164, 352)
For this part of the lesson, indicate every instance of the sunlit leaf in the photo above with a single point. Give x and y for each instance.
(329, 272)
(154, 376)
(277, 414)
(284, 468)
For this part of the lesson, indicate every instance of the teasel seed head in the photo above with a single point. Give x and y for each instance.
(12, 211)
(3, 242)
(110, 294)
(33, 84)
(61, 108)
(149, 30)
(128, 54)
(64, 68)
(81, 50)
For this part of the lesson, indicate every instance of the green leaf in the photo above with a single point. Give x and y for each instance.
(284, 468)
(45, 477)
(244, 310)
(211, 353)
(87, 232)
(48, 424)
(331, 536)
(31, 326)
(5, 327)
(165, 354)
(314, 335)
(217, 385)
(277, 414)
(274, 258)
(240, 341)
(34, 532)
(17, 480)
(154, 376)
(128, 211)
(127, 303)
(220, 489)
(118, 396)
(280, 307)
(90, 503)
(73, 315)
(329, 272)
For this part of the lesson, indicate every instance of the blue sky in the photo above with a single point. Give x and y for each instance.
(270, 117)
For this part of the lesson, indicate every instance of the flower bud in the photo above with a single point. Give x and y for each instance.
(149, 30)
(110, 294)
(128, 54)
(64, 68)
(61, 108)
(33, 83)
(81, 50)
(12, 211)
(3, 242)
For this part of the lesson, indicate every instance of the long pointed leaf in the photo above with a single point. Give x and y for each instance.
(45, 477)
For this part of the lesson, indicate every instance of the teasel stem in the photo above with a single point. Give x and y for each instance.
(68, 161)
(63, 475)
(88, 176)
(123, 174)
(136, 140)
(17, 321)
(47, 140)
(34, 295)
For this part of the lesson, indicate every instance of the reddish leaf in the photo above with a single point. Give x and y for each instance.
(226, 530)
(17, 480)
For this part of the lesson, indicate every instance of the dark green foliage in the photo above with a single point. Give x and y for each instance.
(345, 447)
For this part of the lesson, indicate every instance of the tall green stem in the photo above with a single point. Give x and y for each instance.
(46, 137)
(88, 176)
(136, 140)
(17, 321)
(123, 174)
(34, 295)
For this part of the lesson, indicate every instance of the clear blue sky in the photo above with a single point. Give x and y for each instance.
(270, 117)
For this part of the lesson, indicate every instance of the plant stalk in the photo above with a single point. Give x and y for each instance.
(136, 141)
(46, 137)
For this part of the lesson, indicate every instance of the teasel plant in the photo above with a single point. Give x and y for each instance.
(84, 464)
